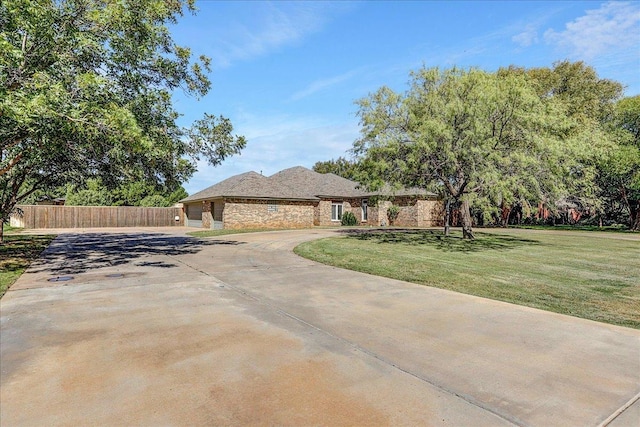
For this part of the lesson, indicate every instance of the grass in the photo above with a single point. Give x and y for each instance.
(619, 228)
(16, 253)
(590, 275)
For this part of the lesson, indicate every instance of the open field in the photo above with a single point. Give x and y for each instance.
(16, 253)
(590, 275)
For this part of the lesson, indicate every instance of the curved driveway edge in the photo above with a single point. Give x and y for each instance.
(160, 328)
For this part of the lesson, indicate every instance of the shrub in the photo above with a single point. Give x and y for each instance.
(89, 198)
(155, 200)
(349, 218)
(392, 213)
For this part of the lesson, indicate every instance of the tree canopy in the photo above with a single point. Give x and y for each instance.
(85, 91)
(137, 193)
(487, 140)
(340, 166)
(619, 172)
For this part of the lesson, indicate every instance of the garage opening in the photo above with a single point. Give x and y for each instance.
(194, 215)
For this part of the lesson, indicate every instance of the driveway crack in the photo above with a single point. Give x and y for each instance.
(620, 411)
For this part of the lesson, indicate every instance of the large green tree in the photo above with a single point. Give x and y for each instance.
(620, 171)
(481, 139)
(589, 104)
(340, 166)
(137, 193)
(85, 91)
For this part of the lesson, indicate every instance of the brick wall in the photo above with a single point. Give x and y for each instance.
(207, 217)
(323, 214)
(413, 213)
(248, 213)
(430, 213)
(355, 207)
(379, 213)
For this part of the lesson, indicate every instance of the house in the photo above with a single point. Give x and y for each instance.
(46, 200)
(301, 198)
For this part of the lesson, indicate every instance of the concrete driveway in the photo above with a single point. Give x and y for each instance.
(157, 328)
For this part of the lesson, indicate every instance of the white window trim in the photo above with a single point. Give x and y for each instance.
(339, 215)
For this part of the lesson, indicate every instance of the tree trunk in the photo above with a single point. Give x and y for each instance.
(1, 231)
(465, 211)
(504, 215)
(447, 217)
(635, 216)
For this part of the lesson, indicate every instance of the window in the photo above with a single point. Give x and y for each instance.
(365, 212)
(336, 211)
(272, 207)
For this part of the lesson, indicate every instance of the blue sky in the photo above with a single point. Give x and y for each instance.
(288, 73)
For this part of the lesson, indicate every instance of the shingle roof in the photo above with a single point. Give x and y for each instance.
(248, 184)
(296, 183)
(306, 183)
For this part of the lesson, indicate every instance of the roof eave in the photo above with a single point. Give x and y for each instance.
(239, 196)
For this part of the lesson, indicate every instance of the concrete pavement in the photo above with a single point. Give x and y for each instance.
(156, 328)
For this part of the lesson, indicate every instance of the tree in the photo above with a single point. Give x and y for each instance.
(585, 96)
(155, 200)
(95, 194)
(132, 192)
(177, 195)
(478, 138)
(341, 167)
(620, 170)
(589, 102)
(137, 193)
(85, 91)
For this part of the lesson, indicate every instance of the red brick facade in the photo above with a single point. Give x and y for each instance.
(254, 213)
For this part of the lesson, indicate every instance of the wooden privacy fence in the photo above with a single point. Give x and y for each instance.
(47, 216)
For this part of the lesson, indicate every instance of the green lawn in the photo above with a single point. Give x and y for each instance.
(620, 228)
(16, 253)
(591, 275)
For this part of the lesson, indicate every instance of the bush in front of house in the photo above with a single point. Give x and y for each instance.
(348, 219)
(392, 213)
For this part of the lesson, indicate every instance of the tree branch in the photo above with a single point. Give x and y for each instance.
(11, 164)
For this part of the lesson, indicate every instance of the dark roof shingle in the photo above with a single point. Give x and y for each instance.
(296, 183)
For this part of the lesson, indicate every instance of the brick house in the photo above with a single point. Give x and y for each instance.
(301, 198)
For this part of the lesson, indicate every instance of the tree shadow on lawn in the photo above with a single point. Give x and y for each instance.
(17, 251)
(79, 253)
(437, 239)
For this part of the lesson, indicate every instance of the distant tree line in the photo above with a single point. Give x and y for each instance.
(537, 145)
(94, 193)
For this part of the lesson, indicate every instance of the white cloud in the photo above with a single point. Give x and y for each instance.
(526, 38)
(322, 84)
(615, 26)
(274, 26)
(277, 143)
